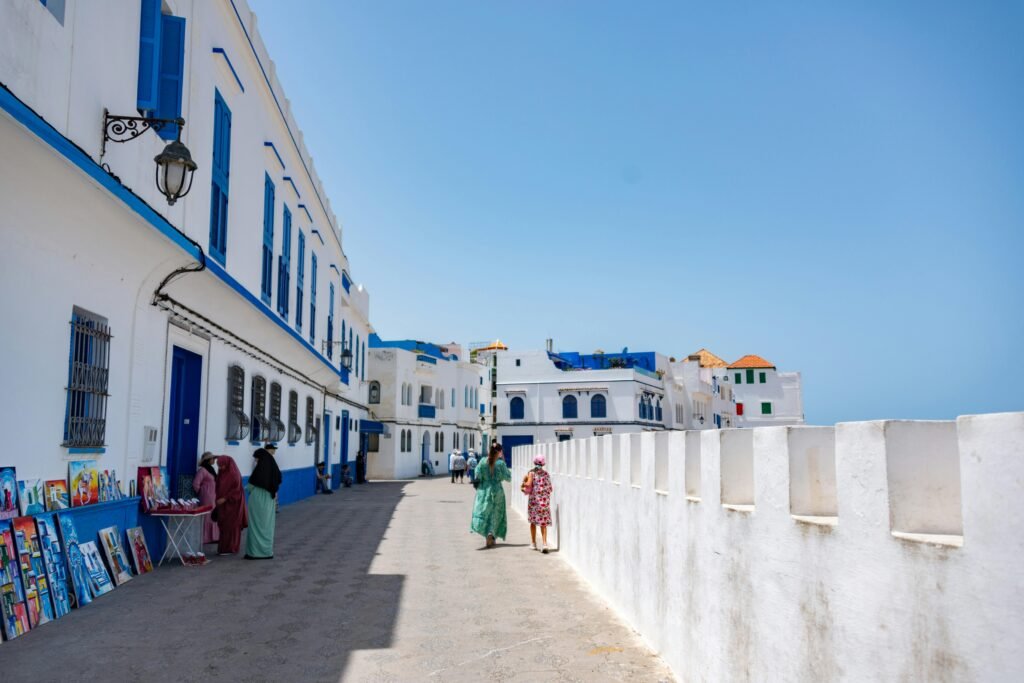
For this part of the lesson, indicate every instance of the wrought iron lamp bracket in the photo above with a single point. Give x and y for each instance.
(125, 128)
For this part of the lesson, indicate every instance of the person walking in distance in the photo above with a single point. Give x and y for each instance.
(460, 467)
(471, 464)
(263, 485)
(537, 485)
(205, 486)
(451, 464)
(490, 519)
(361, 467)
(232, 515)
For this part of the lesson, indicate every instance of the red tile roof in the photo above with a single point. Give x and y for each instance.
(751, 361)
(706, 359)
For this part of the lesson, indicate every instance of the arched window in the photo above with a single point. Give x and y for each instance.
(455, 438)
(569, 407)
(374, 392)
(310, 423)
(238, 421)
(406, 440)
(258, 408)
(294, 431)
(516, 408)
(598, 406)
(453, 397)
(643, 409)
(440, 399)
(465, 397)
(441, 449)
(657, 413)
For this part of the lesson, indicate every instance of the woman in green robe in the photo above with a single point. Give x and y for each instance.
(263, 484)
(489, 518)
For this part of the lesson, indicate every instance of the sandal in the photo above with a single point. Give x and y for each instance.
(490, 541)
(545, 551)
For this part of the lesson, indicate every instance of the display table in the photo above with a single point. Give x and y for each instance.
(181, 527)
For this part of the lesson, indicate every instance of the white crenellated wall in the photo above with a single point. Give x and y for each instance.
(887, 550)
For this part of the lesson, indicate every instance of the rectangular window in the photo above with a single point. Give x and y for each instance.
(220, 173)
(761, 377)
(85, 413)
(739, 378)
(312, 299)
(298, 281)
(766, 408)
(750, 376)
(739, 408)
(149, 56)
(284, 264)
(238, 421)
(372, 443)
(268, 239)
(330, 323)
(172, 73)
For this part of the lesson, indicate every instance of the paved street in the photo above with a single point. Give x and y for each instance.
(377, 583)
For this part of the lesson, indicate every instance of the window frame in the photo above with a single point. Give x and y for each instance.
(237, 427)
(220, 172)
(766, 408)
(568, 400)
(513, 413)
(88, 380)
(604, 406)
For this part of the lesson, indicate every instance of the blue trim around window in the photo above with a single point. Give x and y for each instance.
(220, 172)
(516, 408)
(273, 149)
(172, 73)
(288, 179)
(569, 408)
(299, 284)
(149, 55)
(598, 406)
(330, 323)
(267, 261)
(312, 300)
(284, 285)
(345, 281)
(303, 207)
(220, 51)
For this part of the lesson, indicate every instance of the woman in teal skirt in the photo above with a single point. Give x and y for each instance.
(489, 518)
(263, 484)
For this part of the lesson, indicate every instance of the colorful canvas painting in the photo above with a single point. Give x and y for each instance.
(30, 496)
(56, 495)
(8, 493)
(117, 560)
(78, 588)
(33, 572)
(12, 596)
(147, 490)
(160, 483)
(84, 483)
(139, 550)
(55, 562)
(99, 579)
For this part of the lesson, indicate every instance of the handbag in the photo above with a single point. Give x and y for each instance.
(527, 485)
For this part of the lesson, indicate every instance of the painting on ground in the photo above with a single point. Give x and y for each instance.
(84, 483)
(56, 564)
(8, 493)
(33, 573)
(99, 579)
(78, 575)
(139, 550)
(12, 596)
(30, 496)
(56, 495)
(110, 538)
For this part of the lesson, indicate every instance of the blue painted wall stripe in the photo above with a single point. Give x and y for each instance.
(220, 51)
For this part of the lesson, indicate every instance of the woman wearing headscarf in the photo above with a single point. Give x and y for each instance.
(205, 486)
(231, 509)
(489, 517)
(537, 486)
(263, 484)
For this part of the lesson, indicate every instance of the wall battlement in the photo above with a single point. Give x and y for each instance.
(866, 551)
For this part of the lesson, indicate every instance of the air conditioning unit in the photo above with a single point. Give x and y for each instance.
(149, 447)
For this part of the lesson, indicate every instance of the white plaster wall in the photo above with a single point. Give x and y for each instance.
(757, 594)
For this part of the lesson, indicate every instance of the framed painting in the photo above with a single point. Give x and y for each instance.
(33, 573)
(78, 575)
(139, 550)
(56, 491)
(55, 563)
(84, 480)
(110, 539)
(99, 579)
(161, 484)
(147, 489)
(8, 493)
(12, 596)
(30, 496)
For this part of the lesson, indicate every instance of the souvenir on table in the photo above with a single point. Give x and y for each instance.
(30, 496)
(33, 572)
(56, 565)
(84, 483)
(8, 493)
(77, 572)
(12, 596)
(99, 579)
(160, 483)
(139, 549)
(101, 486)
(110, 539)
(115, 487)
(56, 491)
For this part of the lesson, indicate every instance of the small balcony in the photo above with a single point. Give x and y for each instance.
(427, 410)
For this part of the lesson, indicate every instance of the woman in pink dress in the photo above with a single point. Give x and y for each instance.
(205, 486)
(538, 483)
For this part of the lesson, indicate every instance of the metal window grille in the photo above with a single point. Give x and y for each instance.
(258, 408)
(85, 422)
(275, 428)
(310, 427)
(294, 431)
(238, 421)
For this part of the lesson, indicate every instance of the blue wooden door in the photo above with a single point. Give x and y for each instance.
(509, 442)
(183, 419)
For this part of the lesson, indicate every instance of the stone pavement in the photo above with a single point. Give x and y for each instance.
(381, 582)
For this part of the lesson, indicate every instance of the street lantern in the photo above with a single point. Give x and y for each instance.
(174, 170)
(346, 357)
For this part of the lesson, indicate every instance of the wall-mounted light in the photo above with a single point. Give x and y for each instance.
(174, 165)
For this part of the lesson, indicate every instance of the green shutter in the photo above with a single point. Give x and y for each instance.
(750, 376)
(739, 378)
(762, 377)
(766, 408)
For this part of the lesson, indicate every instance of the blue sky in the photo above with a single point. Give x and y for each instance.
(839, 189)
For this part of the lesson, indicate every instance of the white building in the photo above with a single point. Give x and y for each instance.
(148, 332)
(431, 400)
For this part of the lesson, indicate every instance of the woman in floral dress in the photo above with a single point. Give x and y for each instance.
(538, 483)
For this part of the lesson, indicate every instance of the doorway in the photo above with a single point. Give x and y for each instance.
(183, 420)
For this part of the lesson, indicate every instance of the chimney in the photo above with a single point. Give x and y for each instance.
(550, 344)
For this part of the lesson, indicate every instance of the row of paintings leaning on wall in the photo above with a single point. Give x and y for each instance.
(89, 485)
(45, 570)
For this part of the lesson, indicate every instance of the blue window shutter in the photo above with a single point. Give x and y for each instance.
(220, 172)
(284, 264)
(267, 265)
(299, 281)
(312, 299)
(172, 72)
(149, 55)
